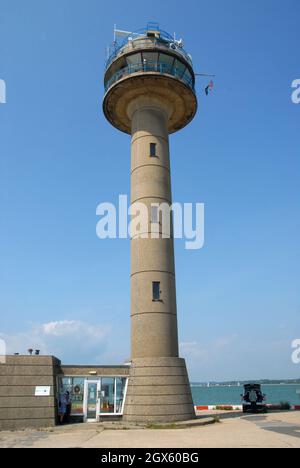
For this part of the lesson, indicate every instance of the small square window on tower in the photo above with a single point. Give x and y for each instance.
(153, 150)
(156, 291)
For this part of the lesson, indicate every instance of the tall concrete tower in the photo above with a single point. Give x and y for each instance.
(149, 93)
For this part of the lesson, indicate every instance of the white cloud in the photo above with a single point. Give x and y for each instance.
(72, 341)
(71, 327)
(236, 357)
(192, 350)
(224, 341)
(203, 358)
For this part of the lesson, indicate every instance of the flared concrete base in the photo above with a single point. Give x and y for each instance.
(158, 391)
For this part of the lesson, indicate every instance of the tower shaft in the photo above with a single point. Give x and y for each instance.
(154, 322)
(158, 385)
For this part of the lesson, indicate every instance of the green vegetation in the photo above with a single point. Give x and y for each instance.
(285, 405)
(217, 419)
(165, 426)
(224, 408)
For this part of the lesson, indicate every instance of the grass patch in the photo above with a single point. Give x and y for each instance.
(224, 408)
(165, 426)
(285, 405)
(216, 419)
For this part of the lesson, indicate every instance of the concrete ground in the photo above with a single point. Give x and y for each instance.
(234, 430)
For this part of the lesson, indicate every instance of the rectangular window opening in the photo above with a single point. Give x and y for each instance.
(153, 150)
(156, 291)
(154, 215)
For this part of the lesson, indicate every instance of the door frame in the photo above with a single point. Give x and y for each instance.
(85, 402)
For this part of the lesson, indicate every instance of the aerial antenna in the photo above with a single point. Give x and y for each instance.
(179, 43)
(204, 74)
(120, 33)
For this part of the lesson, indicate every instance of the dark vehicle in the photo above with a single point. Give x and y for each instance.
(253, 399)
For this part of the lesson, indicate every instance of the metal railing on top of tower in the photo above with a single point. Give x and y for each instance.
(164, 39)
(157, 67)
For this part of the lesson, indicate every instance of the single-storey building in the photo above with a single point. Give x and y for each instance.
(31, 388)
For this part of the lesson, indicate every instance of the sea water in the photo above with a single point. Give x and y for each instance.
(231, 395)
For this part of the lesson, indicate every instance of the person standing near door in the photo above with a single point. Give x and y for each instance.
(68, 407)
(64, 401)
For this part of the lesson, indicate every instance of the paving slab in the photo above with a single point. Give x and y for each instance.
(280, 430)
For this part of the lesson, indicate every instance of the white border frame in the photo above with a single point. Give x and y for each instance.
(85, 402)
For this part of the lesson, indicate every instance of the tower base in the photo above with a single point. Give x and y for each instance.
(158, 391)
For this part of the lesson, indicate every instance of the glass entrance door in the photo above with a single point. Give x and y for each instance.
(91, 406)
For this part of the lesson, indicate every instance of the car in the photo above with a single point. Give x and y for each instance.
(254, 400)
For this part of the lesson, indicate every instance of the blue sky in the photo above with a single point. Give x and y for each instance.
(66, 291)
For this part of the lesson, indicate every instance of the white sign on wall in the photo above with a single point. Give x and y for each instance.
(2, 352)
(2, 92)
(42, 391)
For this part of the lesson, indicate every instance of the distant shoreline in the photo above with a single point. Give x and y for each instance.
(205, 385)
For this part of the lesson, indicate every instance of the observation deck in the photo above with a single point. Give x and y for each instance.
(153, 63)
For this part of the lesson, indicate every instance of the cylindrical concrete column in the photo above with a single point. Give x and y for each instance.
(158, 387)
(154, 322)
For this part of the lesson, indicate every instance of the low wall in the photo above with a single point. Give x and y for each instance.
(240, 407)
(19, 377)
